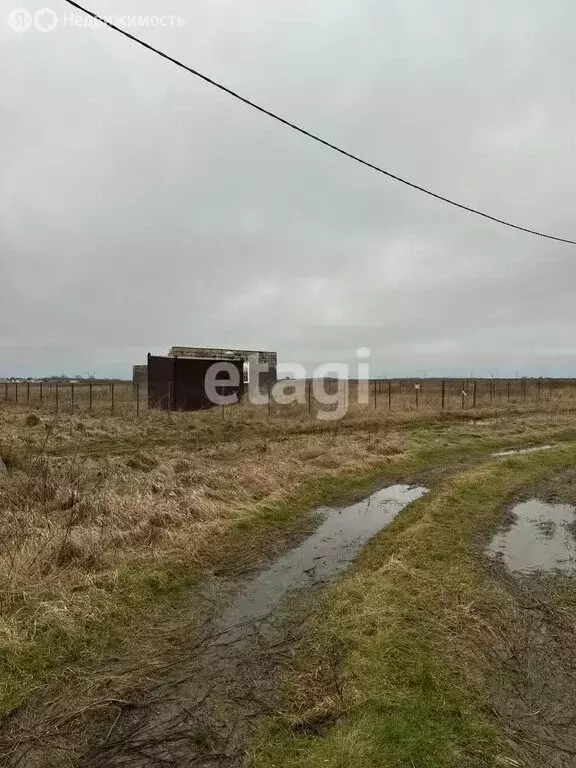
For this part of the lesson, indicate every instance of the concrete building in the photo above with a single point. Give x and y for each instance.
(188, 388)
(248, 356)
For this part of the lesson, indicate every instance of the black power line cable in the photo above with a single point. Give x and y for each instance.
(313, 136)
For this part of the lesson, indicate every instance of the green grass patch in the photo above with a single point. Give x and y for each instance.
(51, 636)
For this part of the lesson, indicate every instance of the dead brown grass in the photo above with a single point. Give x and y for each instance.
(70, 509)
(101, 515)
(86, 494)
(88, 503)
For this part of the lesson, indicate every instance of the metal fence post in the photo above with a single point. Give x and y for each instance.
(27, 391)
(137, 398)
(41, 393)
(112, 396)
(443, 393)
(72, 396)
(16, 391)
(90, 396)
(389, 394)
(57, 397)
(474, 395)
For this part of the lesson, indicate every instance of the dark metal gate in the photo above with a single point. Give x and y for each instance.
(179, 384)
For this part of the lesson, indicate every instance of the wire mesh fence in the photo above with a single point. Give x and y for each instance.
(71, 397)
(311, 396)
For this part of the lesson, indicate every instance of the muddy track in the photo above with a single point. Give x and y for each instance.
(534, 557)
(204, 711)
(537, 701)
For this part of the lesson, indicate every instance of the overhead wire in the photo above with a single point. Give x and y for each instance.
(309, 134)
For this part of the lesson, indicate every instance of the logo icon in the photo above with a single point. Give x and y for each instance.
(45, 20)
(20, 20)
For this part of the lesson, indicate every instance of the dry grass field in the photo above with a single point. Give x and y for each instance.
(109, 522)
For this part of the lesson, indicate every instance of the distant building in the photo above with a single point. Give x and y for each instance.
(178, 380)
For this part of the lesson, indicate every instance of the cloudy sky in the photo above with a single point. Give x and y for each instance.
(141, 208)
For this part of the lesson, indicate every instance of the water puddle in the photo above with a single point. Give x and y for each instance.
(322, 555)
(541, 538)
(520, 451)
(205, 711)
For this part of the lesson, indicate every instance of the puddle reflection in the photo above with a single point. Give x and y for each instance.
(541, 538)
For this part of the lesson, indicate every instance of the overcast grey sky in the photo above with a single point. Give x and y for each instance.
(141, 208)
